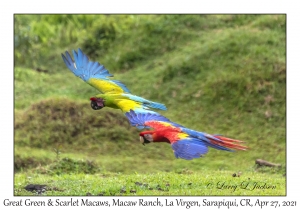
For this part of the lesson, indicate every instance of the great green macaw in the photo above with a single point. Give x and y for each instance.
(114, 93)
(186, 143)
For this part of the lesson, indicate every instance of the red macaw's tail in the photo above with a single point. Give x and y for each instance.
(224, 143)
(216, 141)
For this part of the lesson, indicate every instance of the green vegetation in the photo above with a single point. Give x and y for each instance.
(215, 73)
(161, 183)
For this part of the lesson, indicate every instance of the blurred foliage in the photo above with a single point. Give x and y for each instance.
(66, 120)
(121, 41)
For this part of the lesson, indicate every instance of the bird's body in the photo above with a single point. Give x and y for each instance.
(114, 93)
(127, 102)
(186, 143)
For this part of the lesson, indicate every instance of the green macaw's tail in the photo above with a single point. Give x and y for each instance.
(145, 102)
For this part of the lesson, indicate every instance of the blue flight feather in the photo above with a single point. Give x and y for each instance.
(146, 102)
(121, 85)
(70, 63)
(139, 117)
(189, 148)
(205, 138)
(147, 115)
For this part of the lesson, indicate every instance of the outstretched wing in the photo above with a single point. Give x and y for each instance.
(127, 102)
(93, 73)
(189, 148)
(145, 102)
(150, 119)
(215, 141)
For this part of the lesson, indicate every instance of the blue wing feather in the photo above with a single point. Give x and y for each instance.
(189, 148)
(146, 102)
(140, 117)
(76, 58)
(204, 137)
(69, 62)
(121, 85)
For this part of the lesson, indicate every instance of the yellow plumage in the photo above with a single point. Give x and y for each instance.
(119, 101)
(126, 105)
(182, 135)
(166, 124)
(105, 86)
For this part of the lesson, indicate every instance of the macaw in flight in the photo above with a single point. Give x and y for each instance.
(114, 93)
(186, 143)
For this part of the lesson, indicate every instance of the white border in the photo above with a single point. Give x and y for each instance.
(154, 6)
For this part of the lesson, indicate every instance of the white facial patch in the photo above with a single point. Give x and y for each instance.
(149, 137)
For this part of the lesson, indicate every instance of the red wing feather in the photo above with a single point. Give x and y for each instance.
(159, 125)
(228, 143)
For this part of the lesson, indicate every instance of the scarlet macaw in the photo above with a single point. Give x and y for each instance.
(115, 94)
(186, 143)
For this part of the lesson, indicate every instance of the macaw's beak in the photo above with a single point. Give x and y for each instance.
(97, 103)
(144, 141)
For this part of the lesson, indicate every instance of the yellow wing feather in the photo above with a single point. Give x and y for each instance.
(105, 86)
(167, 130)
(126, 104)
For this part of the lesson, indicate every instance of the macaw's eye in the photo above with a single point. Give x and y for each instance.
(95, 106)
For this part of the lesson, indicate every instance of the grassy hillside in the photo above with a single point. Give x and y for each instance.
(215, 73)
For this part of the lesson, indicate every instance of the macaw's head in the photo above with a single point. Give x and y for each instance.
(97, 103)
(152, 136)
(146, 137)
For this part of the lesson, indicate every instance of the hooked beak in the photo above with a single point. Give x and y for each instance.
(97, 103)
